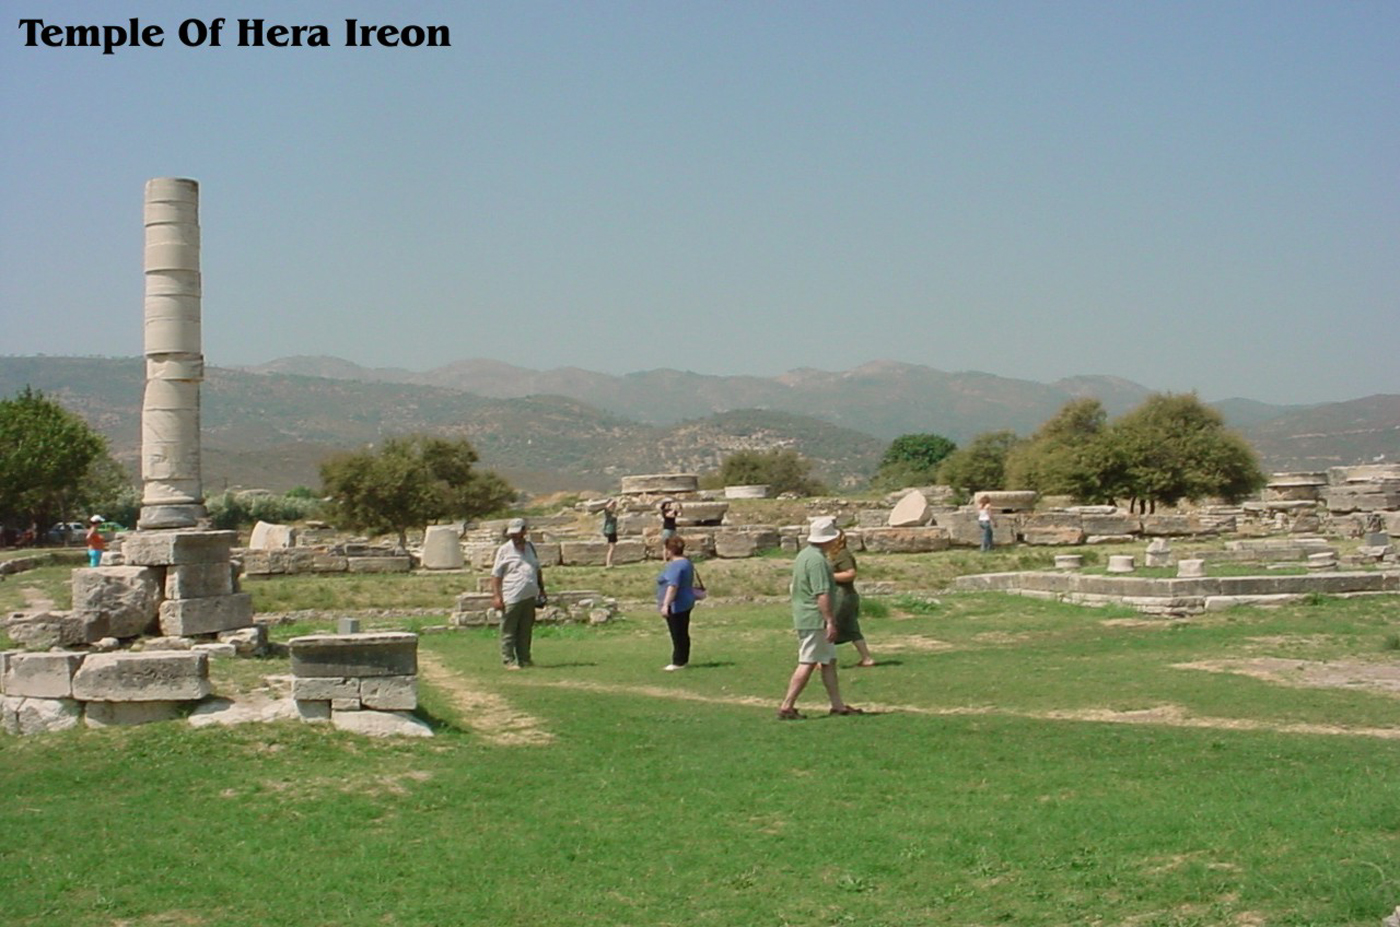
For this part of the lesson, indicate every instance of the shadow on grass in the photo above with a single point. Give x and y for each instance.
(878, 663)
(541, 667)
(711, 664)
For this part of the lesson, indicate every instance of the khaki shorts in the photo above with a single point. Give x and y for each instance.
(813, 647)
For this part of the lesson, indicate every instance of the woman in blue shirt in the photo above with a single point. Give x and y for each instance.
(675, 597)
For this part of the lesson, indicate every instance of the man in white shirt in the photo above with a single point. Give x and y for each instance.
(517, 586)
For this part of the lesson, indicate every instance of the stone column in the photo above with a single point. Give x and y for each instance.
(173, 496)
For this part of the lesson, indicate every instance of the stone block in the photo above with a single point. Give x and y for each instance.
(198, 580)
(442, 548)
(129, 595)
(1011, 500)
(379, 564)
(53, 629)
(329, 563)
(142, 677)
(185, 617)
(1047, 529)
(1069, 561)
(1175, 526)
(548, 552)
(1362, 497)
(703, 513)
(313, 711)
(583, 553)
(732, 543)
(1191, 569)
(1159, 553)
(964, 531)
(389, 693)
(911, 511)
(1115, 523)
(630, 550)
(247, 642)
(659, 484)
(325, 688)
(216, 650)
(392, 653)
(905, 540)
(751, 491)
(380, 723)
(23, 716)
(171, 548)
(129, 714)
(40, 675)
(1121, 563)
(267, 536)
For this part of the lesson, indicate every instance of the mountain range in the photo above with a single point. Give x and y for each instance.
(569, 428)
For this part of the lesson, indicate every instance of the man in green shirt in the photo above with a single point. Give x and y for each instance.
(814, 621)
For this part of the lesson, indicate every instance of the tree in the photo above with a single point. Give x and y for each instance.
(49, 458)
(411, 481)
(1173, 447)
(1066, 454)
(782, 469)
(980, 465)
(913, 459)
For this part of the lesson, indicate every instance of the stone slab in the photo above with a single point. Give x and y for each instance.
(905, 540)
(51, 629)
(659, 483)
(381, 723)
(40, 675)
(142, 677)
(389, 693)
(325, 688)
(383, 654)
(750, 491)
(185, 617)
(268, 536)
(24, 716)
(169, 548)
(129, 595)
(911, 511)
(199, 580)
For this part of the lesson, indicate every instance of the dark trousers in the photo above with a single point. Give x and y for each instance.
(678, 623)
(517, 630)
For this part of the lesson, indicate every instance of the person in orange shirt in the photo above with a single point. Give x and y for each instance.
(95, 541)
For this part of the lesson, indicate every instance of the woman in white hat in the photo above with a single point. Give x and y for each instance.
(96, 543)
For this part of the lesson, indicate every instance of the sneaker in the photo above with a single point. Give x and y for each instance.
(512, 666)
(672, 667)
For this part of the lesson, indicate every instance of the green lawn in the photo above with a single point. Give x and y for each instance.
(1030, 763)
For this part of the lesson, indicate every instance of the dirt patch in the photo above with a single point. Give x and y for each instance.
(1308, 674)
(916, 643)
(1003, 637)
(1161, 715)
(487, 713)
(36, 600)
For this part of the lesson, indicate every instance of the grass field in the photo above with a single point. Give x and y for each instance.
(1026, 763)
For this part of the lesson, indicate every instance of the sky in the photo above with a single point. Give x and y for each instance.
(1193, 196)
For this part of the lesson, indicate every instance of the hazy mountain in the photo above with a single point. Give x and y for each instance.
(882, 398)
(564, 428)
(1331, 435)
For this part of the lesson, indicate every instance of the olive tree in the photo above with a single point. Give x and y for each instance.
(51, 461)
(411, 481)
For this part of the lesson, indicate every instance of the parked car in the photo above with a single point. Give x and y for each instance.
(66, 532)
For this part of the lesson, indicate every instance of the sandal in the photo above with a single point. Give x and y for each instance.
(847, 710)
(790, 714)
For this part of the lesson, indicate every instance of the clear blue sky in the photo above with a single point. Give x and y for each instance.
(1190, 195)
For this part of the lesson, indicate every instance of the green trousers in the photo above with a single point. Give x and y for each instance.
(517, 629)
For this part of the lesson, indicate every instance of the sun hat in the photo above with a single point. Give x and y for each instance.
(96, 520)
(823, 530)
(516, 526)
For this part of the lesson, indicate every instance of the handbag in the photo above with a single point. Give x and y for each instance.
(697, 588)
